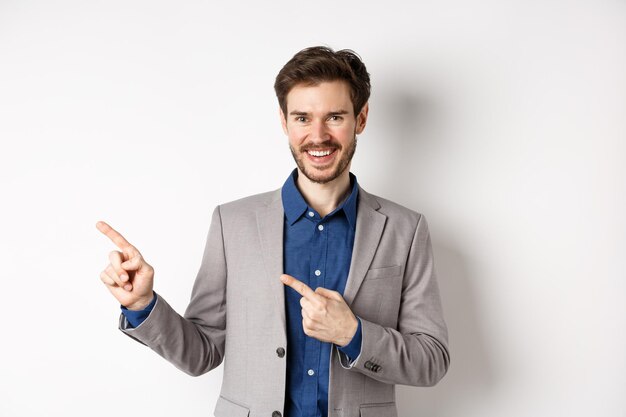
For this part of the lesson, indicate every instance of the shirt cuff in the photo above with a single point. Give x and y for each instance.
(353, 349)
(136, 317)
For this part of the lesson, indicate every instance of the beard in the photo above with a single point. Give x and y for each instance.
(319, 177)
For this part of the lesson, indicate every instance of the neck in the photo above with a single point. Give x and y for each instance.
(324, 198)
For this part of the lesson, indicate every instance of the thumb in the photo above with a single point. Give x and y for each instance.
(133, 264)
(324, 292)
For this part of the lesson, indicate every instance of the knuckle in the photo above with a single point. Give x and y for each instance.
(106, 279)
(113, 276)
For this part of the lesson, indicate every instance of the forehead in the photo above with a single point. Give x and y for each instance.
(323, 97)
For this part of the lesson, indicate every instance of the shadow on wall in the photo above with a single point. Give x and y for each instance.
(415, 129)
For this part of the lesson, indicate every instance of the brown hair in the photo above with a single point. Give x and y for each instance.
(316, 64)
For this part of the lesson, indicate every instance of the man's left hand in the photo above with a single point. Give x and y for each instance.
(325, 314)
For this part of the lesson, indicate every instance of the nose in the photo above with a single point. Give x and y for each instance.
(319, 132)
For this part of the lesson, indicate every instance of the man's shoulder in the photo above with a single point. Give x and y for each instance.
(390, 208)
(251, 203)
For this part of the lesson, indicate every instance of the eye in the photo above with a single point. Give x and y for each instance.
(335, 118)
(301, 119)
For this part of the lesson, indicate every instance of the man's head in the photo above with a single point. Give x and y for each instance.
(316, 64)
(323, 96)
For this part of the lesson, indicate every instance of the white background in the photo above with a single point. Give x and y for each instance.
(502, 121)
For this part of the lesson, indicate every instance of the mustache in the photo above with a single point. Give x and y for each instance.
(323, 146)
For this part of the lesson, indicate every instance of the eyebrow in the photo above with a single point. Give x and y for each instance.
(332, 113)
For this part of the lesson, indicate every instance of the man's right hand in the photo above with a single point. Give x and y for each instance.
(128, 276)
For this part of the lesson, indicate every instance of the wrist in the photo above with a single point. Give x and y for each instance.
(350, 333)
(141, 303)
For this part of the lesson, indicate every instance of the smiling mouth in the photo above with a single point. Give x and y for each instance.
(321, 157)
(320, 153)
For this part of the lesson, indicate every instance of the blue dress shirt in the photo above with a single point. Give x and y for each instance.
(317, 251)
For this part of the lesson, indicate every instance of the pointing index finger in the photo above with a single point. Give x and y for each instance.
(114, 235)
(303, 289)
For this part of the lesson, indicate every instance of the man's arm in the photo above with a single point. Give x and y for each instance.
(194, 343)
(416, 353)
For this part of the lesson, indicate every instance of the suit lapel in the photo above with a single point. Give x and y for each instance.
(369, 229)
(270, 221)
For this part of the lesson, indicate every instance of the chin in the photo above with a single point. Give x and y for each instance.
(321, 176)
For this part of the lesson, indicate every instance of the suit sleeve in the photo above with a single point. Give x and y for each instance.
(416, 352)
(194, 343)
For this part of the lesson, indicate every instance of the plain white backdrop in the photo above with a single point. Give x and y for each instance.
(504, 122)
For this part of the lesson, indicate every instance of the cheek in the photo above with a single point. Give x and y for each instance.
(296, 135)
(344, 133)
(295, 138)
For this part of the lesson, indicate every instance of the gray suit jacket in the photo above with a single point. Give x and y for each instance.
(237, 315)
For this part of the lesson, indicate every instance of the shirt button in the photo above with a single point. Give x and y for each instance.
(318, 272)
(311, 372)
(280, 352)
(320, 227)
(311, 214)
(276, 414)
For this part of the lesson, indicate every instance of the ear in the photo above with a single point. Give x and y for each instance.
(361, 119)
(283, 120)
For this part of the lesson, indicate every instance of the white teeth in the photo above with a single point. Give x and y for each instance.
(319, 153)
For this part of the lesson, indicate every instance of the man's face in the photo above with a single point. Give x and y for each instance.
(322, 128)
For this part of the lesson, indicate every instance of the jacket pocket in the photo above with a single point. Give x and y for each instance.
(379, 410)
(227, 408)
(386, 272)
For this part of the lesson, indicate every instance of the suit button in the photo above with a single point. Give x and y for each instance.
(368, 365)
(280, 352)
(276, 414)
(376, 368)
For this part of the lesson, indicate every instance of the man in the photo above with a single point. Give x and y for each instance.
(318, 296)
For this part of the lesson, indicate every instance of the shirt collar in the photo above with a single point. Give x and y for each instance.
(295, 205)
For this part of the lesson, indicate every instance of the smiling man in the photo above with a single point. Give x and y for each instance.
(318, 297)
(322, 138)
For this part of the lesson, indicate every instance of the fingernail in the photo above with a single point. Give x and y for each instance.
(124, 277)
(128, 287)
